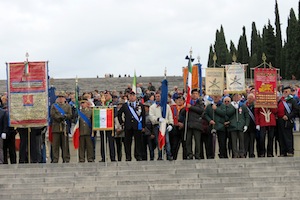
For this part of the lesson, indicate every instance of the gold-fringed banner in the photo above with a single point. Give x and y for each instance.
(265, 87)
(214, 81)
(28, 94)
(235, 78)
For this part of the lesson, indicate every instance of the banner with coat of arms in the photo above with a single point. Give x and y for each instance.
(265, 87)
(214, 81)
(235, 78)
(28, 94)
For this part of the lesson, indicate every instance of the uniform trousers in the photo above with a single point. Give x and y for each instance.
(286, 138)
(60, 140)
(129, 133)
(86, 145)
(9, 147)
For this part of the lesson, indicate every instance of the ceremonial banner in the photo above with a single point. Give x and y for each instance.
(235, 78)
(265, 87)
(214, 81)
(103, 118)
(28, 94)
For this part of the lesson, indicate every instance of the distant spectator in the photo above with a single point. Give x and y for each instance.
(151, 87)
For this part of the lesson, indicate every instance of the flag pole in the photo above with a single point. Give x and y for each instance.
(188, 94)
(28, 129)
(76, 91)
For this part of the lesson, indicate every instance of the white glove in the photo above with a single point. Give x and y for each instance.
(161, 119)
(245, 128)
(170, 128)
(258, 127)
(235, 105)
(3, 136)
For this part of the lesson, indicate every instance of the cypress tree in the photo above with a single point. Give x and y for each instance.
(278, 39)
(210, 57)
(269, 43)
(256, 47)
(292, 46)
(220, 47)
(243, 50)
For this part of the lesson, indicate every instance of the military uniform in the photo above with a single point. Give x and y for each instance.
(85, 141)
(59, 130)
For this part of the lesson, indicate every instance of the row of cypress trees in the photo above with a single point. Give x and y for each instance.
(284, 55)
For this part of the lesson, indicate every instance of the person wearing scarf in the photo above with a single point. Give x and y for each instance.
(287, 111)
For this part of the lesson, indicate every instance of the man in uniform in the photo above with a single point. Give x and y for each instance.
(85, 130)
(60, 112)
(134, 125)
(287, 111)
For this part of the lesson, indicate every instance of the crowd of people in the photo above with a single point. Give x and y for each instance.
(230, 120)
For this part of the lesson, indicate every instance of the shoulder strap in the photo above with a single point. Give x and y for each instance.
(62, 112)
(85, 119)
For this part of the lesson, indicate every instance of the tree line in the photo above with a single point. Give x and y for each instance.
(283, 55)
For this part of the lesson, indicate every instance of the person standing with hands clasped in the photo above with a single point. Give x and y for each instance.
(239, 123)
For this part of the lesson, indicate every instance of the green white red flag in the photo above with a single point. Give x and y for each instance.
(103, 118)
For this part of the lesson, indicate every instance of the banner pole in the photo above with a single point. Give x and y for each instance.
(105, 145)
(28, 145)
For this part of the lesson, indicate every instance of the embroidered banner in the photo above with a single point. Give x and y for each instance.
(265, 80)
(214, 81)
(103, 118)
(235, 78)
(28, 94)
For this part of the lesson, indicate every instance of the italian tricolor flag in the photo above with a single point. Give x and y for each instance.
(189, 84)
(103, 118)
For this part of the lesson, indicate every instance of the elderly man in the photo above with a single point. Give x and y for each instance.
(239, 123)
(60, 112)
(250, 134)
(215, 115)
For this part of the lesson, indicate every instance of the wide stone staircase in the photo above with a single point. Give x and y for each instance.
(258, 178)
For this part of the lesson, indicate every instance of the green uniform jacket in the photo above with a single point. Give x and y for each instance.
(238, 118)
(58, 124)
(218, 116)
(84, 128)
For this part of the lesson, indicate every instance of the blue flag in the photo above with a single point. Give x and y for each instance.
(164, 97)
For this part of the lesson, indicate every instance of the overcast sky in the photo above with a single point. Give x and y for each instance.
(95, 37)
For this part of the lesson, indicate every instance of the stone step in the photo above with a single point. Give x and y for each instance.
(265, 178)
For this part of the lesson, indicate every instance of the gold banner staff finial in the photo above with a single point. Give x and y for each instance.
(264, 58)
(234, 58)
(215, 59)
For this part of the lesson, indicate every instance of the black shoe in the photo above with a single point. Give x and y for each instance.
(159, 158)
(128, 159)
(102, 160)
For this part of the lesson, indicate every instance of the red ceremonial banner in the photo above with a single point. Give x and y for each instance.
(28, 94)
(265, 87)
